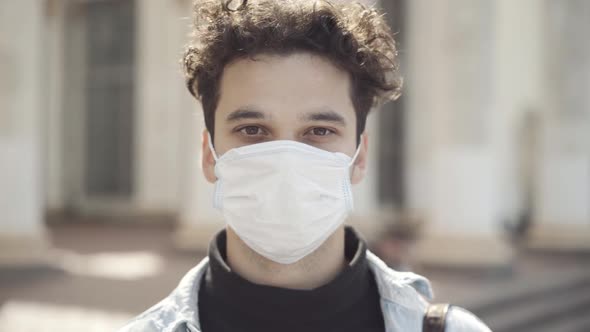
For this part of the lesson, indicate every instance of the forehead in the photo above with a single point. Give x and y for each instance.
(285, 85)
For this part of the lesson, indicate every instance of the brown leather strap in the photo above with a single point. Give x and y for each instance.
(435, 317)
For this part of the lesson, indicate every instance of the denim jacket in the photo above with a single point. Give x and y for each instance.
(403, 295)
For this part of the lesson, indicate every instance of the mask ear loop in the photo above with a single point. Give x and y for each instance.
(356, 153)
(212, 148)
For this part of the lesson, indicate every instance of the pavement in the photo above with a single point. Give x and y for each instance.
(106, 273)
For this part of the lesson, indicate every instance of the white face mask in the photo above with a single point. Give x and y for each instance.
(283, 198)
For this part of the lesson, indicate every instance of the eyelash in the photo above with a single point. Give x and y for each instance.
(328, 131)
(242, 130)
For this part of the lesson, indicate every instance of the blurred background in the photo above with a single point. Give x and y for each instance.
(479, 174)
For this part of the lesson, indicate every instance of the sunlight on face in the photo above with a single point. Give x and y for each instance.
(300, 97)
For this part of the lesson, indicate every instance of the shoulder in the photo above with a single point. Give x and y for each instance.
(177, 310)
(142, 324)
(461, 320)
(160, 317)
(412, 292)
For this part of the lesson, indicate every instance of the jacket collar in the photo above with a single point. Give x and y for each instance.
(391, 282)
(395, 288)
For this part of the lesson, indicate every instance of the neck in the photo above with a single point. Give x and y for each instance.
(312, 271)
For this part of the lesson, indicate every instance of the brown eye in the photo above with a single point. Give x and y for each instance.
(320, 131)
(251, 131)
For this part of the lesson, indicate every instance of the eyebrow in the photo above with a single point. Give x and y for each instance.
(326, 116)
(244, 113)
(249, 113)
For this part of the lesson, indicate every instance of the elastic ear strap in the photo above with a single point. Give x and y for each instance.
(212, 148)
(356, 153)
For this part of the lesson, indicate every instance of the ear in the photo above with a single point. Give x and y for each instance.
(360, 164)
(207, 159)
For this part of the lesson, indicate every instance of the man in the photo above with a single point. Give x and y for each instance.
(286, 86)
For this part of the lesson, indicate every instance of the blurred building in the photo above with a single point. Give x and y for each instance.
(491, 137)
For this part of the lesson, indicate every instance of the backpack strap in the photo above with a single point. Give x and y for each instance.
(435, 317)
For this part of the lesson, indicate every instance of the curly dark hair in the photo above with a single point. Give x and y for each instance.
(352, 36)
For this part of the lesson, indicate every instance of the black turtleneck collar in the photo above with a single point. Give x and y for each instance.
(228, 302)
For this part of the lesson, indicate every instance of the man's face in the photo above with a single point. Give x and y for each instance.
(299, 97)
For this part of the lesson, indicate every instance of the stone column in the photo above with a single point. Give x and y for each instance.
(22, 231)
(562, 193)
(456, 145)
(54, 69)
(160, 104)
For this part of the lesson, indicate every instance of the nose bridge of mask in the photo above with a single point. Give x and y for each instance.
(352, 160)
